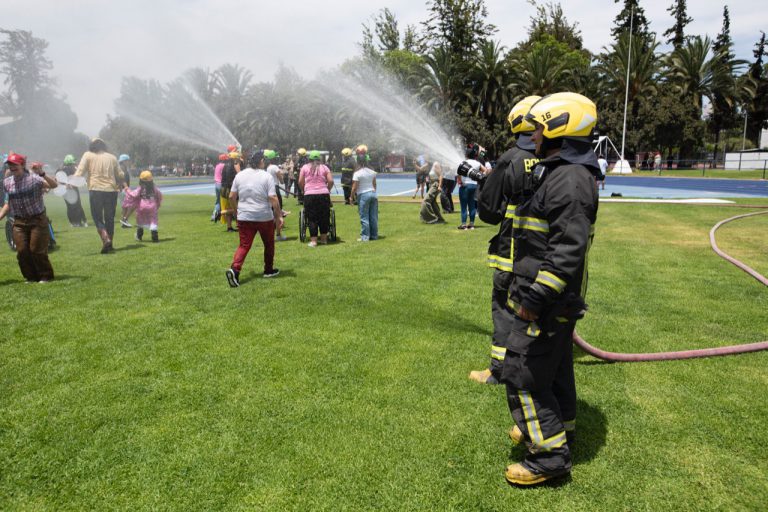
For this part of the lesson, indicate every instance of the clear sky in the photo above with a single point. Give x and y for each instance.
(94, 43)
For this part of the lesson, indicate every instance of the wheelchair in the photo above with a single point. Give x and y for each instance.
(304, 226)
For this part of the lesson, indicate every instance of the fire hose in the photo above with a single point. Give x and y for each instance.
(618, 357)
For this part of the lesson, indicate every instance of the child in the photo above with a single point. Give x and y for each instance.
(145, 199)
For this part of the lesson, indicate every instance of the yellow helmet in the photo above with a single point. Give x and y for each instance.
(346, 151)
(564, 114)
(234, 155)
(362, 149)
(301, 151)
(145, 176)
(516, 117)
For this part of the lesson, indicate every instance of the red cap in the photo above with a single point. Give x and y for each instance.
(231, 148)
(36, 165)
(223, 157)
(15, 158)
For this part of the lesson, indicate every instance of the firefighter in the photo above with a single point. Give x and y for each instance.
(552, 231)
(500, 193)
(347, 170)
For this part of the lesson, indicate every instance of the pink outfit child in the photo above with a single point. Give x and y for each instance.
(146, 207)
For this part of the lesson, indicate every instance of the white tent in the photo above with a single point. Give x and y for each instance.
(602, 147)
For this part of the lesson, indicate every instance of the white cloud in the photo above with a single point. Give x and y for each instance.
(93, 44)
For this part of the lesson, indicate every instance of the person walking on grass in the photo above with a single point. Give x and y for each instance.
(316, 182)
(216, 214)
(30, 222)
(254, 199)
(430, 208)
(75, 213)
(231, 169)
(145, 200)
(124, 162)
(364, 193)
(270, 157)
(104, 178)
(421, 165)
(468, 188)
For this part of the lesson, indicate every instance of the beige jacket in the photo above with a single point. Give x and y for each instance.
(101, 170)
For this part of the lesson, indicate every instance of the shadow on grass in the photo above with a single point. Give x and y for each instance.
(129, 247)
(287, 273)
(68, 277)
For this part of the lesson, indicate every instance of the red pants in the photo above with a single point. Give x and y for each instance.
(247, 231)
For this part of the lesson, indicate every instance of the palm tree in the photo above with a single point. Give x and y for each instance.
(203, 82)
(490, 76)
(438, 82)
(644, 68)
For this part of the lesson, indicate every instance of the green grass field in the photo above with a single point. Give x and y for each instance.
(141, 381)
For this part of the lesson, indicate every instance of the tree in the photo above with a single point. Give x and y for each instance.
(757, 109)
(44, 124)
(634, 15)
(458, 25)
(676, 32)
(25, 67)
(550, 22)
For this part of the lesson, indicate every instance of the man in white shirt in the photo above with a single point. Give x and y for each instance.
(254, 198)
(603, 163)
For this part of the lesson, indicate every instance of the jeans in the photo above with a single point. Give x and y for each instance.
(368, 207)
(103, 206)
(468, 202)
(217, 205)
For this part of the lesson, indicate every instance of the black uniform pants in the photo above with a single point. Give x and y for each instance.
(502, 320)
(541, 391)
(75, 213)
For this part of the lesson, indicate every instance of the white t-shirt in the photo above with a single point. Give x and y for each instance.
(449, 172)
(253, 189)
(274, 171)
(603, 163)
(435, 172)
(364, 178)
(476, 166)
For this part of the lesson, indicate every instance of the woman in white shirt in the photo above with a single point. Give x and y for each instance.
(468, 188)
(364, 192)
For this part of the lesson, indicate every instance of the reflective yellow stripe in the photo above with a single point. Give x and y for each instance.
(531, 421)
(531, 223)
(510, 213)
(556, 441)
(570, 426)
(514, 306)
(495, 261)
(498, 352)
(533, 330)
(551, 280)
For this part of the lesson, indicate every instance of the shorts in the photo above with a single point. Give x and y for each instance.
(421, 178)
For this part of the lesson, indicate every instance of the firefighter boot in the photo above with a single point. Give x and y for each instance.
(483, 376)
(106, 243)
(155, 236)
(520, 475)
(516, 435)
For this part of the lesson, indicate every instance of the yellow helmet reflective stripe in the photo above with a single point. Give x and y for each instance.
(564, 114)
(346, 151)
(516, 117)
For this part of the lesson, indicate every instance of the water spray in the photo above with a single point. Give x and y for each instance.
(390, 104)
(618, 357)
(178, 113)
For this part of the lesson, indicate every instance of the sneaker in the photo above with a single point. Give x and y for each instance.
(231, 230)
(43, 281)
(281, 238)
(275, 271)
(124, 223)
(363, 239)
(463, 226)
(312, 244)
(520, 475)
(233, 277)
(471, 227)
(217, 217)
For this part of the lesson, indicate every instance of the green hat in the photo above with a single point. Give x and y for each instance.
(270, 154)
(69, 160)
(314, 155)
